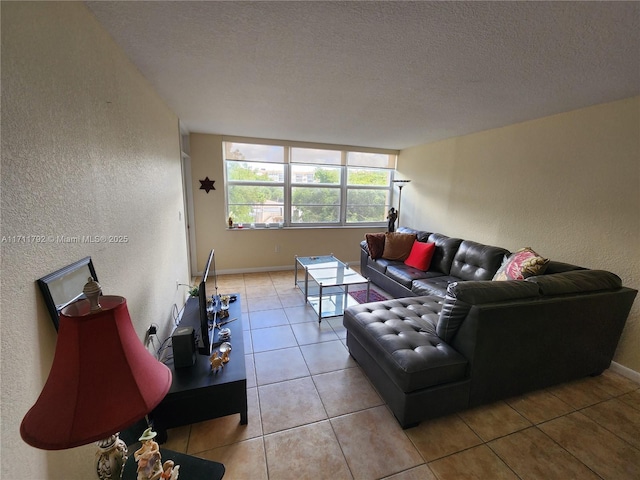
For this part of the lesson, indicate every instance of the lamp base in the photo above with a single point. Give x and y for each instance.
(111, 457)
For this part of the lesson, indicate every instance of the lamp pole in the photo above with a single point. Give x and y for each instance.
(401, 183)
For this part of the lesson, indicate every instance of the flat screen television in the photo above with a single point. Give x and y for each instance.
(207, 309)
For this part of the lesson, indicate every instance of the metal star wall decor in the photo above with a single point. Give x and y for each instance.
(207, 184)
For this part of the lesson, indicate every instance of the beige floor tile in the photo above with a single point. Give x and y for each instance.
(313, 332)
(326, 357)
(255, 304)
(539, 406)
(440, 437)
(374, 444)
(494, 420)
(291, 300)
(478, 463)
(602, 451)
(615, 384)
(223, 431)
(346, 391)
(310, 451)
(301, 314)
(338, 327)
(282, 275)
(284, 288)
(273, 338)
(280, 365)
(250, 367)
(617, 417)
(421, 472)
(257, 278)
(244, 460)
(580, 393)
(532, 454)
(257, 291)
(632, 399)
(290, 404)
(247, 341)
(177, 439)
(268, 318)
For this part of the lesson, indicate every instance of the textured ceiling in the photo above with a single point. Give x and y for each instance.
(379, 74)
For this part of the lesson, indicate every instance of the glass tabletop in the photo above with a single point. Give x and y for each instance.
(336, 275)
(320, 261)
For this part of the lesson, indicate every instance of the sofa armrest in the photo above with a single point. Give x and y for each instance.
(576, 281)
(461, 296)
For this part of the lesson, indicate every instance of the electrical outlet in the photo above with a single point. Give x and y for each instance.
(277, 249)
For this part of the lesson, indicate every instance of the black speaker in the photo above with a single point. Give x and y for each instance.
(183, 342)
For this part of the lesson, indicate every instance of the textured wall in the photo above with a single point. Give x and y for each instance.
(246, 250)
(88, 148)
(566, 185)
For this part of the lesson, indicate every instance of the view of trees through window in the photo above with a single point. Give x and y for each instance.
(296, 186)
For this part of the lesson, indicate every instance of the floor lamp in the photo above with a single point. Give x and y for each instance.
(400, 183)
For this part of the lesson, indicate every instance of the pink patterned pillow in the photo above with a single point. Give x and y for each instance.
(521, 264)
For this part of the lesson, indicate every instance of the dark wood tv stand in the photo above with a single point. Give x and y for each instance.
(198, 394)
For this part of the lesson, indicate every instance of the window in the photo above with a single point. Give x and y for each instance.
(296, 185)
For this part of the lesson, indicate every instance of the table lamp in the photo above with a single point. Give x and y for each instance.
(102, 381)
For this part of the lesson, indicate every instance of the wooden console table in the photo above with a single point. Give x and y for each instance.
(198, 394)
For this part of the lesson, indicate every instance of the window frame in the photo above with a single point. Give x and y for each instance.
(288, 184)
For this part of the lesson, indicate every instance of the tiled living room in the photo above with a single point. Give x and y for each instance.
(314, 414)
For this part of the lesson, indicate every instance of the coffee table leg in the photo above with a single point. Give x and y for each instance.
(320, 305)
(368, 288)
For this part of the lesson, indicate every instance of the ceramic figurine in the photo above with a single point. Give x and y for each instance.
(225, 357)
(148, 457)
(393, 216)
(170, 470)
(216, 362)
(230, 222)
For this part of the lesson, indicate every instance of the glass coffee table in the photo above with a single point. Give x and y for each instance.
(326, 283)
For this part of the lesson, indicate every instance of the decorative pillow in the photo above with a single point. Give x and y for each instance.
(375, 244)
(420, 256)
(397, 246)
(521, 264)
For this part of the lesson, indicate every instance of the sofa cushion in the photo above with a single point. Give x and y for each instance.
(400, 335)
(420, 256)
(421, 235)
(576, 281)
(475, 261)
(404, 274)
(521, 264)
(375, 244)
(446, 249)
(397, 246)
(435, 284)
(381, 264)
(461, 296)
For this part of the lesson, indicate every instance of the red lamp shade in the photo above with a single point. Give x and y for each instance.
(102, 380)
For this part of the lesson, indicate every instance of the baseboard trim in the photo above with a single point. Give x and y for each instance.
(625, 372)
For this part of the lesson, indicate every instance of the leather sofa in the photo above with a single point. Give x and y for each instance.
(455, 339)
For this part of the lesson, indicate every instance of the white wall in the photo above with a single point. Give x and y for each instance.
(567, 185)
(253, 250)
(88, 148)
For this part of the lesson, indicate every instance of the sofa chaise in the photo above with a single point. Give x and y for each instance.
(456, 339)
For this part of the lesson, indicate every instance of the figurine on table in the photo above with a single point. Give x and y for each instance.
(170, 470)
(392, 217)
(148, 457)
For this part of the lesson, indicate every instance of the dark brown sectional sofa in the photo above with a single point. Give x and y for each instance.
(454, 339)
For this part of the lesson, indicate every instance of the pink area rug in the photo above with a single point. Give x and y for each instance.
(361, 296)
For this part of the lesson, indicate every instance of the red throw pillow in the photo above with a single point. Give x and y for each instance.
(375, 244)
(421, 255)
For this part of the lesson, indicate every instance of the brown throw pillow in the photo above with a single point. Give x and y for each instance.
(397, 246)
(375, 244)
